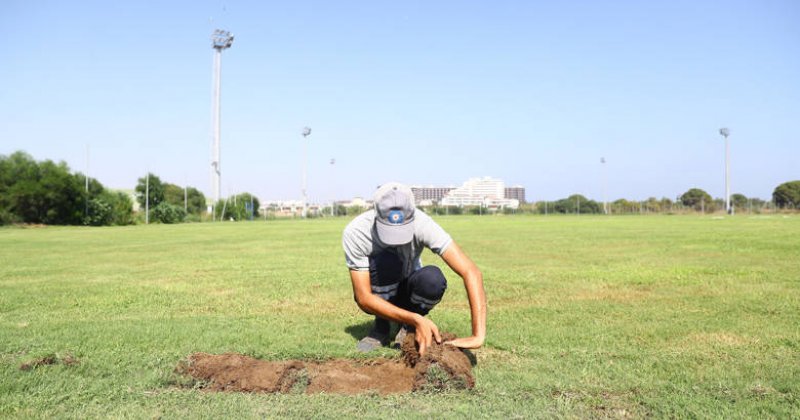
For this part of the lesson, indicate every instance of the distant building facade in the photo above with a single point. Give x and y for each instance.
(516, 192)
(487, 191)
(430, 194)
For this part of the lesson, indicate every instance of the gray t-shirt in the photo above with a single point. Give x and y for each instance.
(360, 241)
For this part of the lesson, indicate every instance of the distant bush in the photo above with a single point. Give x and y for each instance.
(168, 214)
(99, 213)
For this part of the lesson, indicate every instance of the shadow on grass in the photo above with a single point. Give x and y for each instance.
(359, 331)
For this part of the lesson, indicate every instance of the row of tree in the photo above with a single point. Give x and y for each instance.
(48, 193)
(170, 203)
(786, 196)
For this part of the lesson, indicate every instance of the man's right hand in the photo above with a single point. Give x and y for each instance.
(425, 332)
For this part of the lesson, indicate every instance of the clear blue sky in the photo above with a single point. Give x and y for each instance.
(421, 92)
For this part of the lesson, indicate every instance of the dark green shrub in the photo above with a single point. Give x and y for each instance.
(167, 213)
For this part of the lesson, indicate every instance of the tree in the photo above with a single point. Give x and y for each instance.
(167, 213)
(237, 207)
(156, 188)
(697, 199)
(666, 204)
(45, 192)
(121, 207)
(197, 201)
(787, 195)
(623, 206)
(576, 203)
(739, 201)
(173, 194)
(194, 200)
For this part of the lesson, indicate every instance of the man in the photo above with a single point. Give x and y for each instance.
(382, 249)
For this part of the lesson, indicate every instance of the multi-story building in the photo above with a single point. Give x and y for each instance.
(429, 194)
(487, 191)
(516, 192)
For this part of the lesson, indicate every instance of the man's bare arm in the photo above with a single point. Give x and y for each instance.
(425, 330)
(473, 282)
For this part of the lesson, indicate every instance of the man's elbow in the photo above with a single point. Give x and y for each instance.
(474, 274)
(361, 301)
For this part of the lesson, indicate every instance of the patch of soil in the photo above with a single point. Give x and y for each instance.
(442, 367)
(50, 359)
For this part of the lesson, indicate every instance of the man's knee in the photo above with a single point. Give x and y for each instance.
(427, 286)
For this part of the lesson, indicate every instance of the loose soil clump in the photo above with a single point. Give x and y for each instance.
(442, 367)
(50, 359)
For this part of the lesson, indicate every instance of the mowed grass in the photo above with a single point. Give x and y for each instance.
(665, 316)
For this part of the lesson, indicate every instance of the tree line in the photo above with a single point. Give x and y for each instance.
(49, 193)
(786, 196)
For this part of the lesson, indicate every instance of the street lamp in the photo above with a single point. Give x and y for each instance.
(220, 40)
(333, 190)
(306, 133)
(725, 133)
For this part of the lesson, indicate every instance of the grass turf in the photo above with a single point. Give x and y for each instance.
(666, 316)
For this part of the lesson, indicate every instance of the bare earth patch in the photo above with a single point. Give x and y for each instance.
(50, 359)
(442, 367)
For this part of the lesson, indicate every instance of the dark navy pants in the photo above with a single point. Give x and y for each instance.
(419, 292)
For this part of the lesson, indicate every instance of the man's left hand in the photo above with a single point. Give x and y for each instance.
(473, 342)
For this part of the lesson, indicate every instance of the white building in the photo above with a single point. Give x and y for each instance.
(488, 192)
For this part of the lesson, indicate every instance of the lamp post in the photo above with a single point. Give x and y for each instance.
(306, 132)
(86, 178)
(333, 190)
(725, 133)
(220, 40)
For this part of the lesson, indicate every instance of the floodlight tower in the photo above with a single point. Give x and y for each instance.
(306, 133)
(725, 133)
(220, 40)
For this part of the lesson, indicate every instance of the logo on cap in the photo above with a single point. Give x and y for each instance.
(395, 217)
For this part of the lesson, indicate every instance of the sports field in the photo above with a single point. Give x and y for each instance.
(665, 316)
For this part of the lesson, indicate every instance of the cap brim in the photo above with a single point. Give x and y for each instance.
(395, 234)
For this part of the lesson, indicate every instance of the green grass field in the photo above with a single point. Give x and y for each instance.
(665, 316)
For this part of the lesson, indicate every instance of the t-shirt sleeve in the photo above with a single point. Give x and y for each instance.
(355, 254)
(432, 235)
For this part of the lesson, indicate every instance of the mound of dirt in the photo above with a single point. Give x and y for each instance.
(442, 367)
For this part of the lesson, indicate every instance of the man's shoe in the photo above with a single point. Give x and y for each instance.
(372, 341)
(401, 335)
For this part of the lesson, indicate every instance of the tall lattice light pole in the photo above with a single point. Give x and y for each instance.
(306, 133)
(725, 133)
(220, 40)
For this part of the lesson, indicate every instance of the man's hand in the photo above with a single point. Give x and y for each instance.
(426, 332)
(473, 281)
(473, 342)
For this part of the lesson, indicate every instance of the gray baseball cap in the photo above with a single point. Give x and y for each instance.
(394, 213)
